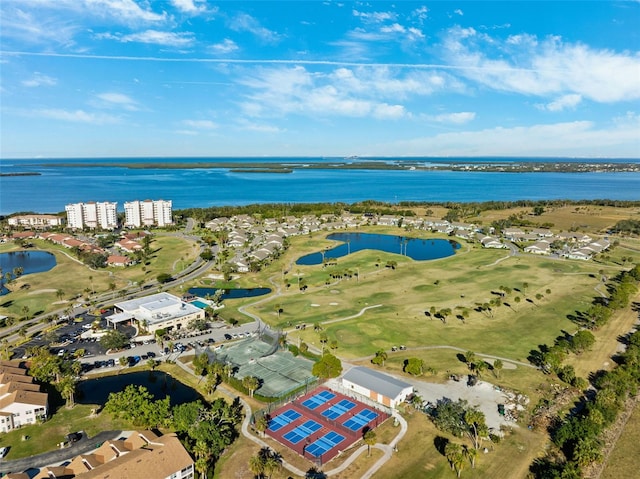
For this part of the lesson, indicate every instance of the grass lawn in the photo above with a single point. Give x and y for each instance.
(586, 218)
(469, 278)
(74, 279)
(624, 458)
(418, 457)
(45, 437)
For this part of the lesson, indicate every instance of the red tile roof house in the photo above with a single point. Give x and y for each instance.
(117, 260)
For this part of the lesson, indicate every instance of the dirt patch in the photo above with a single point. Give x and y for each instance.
(40, 291)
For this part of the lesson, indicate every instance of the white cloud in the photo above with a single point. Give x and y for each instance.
(393, 28)
(457, 11)
(38, 79)
(127, 11)
(224, 47)
(260, 128)
(421, 13)
(246, 23)
(115, 100)
(190, 6)
(375, 17)
(563, 103)
(76, 116)
(458, 118)
(373, 92)
(384, 111)
(200, 124)
(579, 138)
(172, 39)
(525, 65)
(29, 28)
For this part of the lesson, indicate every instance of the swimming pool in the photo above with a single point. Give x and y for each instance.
(200, 304)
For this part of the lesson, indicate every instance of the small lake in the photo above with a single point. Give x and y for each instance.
(160, 384)
(415, 248)
(236, 293)
(30, 262)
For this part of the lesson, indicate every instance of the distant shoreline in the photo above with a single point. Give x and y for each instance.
(31, 173)
(396, 165)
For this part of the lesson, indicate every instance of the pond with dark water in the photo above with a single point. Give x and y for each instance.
(418, 249)
(160, 384)
(236, 293)
(30, 262)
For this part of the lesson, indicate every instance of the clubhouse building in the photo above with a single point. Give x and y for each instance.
(157, 311)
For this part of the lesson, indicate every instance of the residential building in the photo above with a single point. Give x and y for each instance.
(157, 311)
(21, 401)
(92, 215)
(143, 454)
(36, 221)
(377, 386)
(147, 213)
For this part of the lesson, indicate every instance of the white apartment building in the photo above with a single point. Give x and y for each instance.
(147, 213)
(36, 221)
(92, 215)
(21, 401)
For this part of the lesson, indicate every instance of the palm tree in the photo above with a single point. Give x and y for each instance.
(202, 465)
(472, 455)
(203, 453)
(497, 367)
(5, 348)
(256, 465)
(261, 425)
(453, 453)
(25, 312)
(67, 388)
(213, 379)
(251, 383)
(272, 463)
(369, 438)
(60, 294)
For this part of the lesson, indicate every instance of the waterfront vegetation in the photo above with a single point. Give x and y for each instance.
(487, 301)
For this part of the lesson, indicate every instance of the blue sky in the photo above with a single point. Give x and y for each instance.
(101, 78)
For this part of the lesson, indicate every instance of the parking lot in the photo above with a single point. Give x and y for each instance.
(72, 337)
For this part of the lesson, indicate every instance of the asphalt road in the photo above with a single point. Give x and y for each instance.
(83, 446)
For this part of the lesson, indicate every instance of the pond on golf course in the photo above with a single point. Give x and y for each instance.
(235, 293)
(30, 262)
(419, 249)
(158, 383)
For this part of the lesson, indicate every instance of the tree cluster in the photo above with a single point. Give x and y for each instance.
(460, 420)
(578, 435)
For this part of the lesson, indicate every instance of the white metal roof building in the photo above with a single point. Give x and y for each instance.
(158, 311)
(377, 386)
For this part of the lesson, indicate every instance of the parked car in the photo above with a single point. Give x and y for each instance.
(3, 451)
(74, 436)
(227, 336)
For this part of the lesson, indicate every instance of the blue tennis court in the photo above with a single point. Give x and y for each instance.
(318, 400)
(282, 419)
(361, 419)
(338, 409)
(304, 430)
(324, 444)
